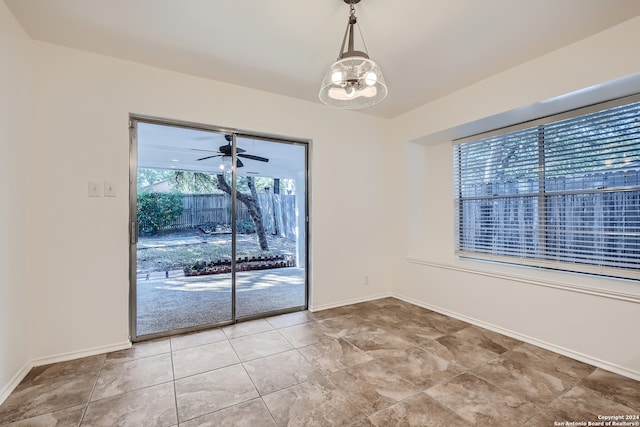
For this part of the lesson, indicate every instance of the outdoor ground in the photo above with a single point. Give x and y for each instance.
(174, 250)
(185, 302)
(167, 300)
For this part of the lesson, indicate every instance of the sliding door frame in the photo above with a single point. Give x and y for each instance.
(134, 119)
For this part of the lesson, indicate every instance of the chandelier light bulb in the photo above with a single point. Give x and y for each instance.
(226, 165)
(350, 91)
(353, 81)
(371, 78)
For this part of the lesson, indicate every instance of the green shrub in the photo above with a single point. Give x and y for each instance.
(245, 226)
(157, 210)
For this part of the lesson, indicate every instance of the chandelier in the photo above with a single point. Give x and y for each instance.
(353, 81)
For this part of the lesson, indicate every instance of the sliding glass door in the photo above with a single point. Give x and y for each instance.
(218, 227)
(270, 225)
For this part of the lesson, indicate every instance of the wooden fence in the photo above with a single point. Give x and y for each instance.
(599, 220)
(198, 210)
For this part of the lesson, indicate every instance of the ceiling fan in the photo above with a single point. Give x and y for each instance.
(225, 151)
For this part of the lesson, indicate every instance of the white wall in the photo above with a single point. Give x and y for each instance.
(526, 303)
(81, 105)
(15, 182)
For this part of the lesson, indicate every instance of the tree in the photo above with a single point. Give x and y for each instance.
(194, 182)
(148, 177)
(198, 181)
(251, 202)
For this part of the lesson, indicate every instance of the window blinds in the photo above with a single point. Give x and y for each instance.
(562, 193)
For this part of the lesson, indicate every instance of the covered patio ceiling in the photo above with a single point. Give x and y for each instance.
(179, 148)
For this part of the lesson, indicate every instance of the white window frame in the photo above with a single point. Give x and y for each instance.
(540, 196)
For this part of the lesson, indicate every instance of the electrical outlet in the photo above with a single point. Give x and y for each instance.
(366, 281)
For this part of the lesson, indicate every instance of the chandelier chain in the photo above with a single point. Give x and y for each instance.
(362, 38)
(353, 22)
(344, 41)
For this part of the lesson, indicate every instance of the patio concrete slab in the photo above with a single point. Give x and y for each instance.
(165, 304)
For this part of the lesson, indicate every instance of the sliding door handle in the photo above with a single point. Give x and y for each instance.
(134, 232)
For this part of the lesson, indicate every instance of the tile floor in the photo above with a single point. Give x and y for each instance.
(380, 363)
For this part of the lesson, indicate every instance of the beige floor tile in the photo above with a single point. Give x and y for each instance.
(419, 410)
(180, 342)
(487, 339)
(151, 406)
(480, 403)
(543, 419)
(304, 334)
(313, 403)
(378, 342)
(362, 422)
(390, 303)
(380, 316)
(47, 395)
(373, 386)
(84, 364)
(563, 364)
(584, 404)
(289, 319)
(247, 328)
(328, 313)
(122, 375)
(332, 355)
(451, 347)
(536, 379)
(260, 345)
(196, 360)
(69, 417)
(143, 349)
(253, 413)
(445, 324)
(341, 326)
(616, 387)
(208, 392)
(279, 371)
(415, 331)
(419, 367)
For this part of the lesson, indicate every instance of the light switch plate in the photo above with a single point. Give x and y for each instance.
(95, 189)
(109, 189)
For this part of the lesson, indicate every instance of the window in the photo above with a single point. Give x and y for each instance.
(561, 192)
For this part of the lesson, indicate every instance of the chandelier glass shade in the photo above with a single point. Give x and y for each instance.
(353, 81)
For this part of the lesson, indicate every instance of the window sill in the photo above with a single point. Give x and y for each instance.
(620, 289)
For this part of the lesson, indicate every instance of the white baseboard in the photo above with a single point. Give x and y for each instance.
(350, 301)
(607, 366)
(63, 357)
(13, 383)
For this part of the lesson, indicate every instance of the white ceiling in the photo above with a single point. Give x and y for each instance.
(426, 48)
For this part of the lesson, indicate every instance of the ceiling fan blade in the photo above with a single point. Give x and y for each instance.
(200, 149)
(239, 163)
(226, 149)
(252, 157)
(208, 157)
